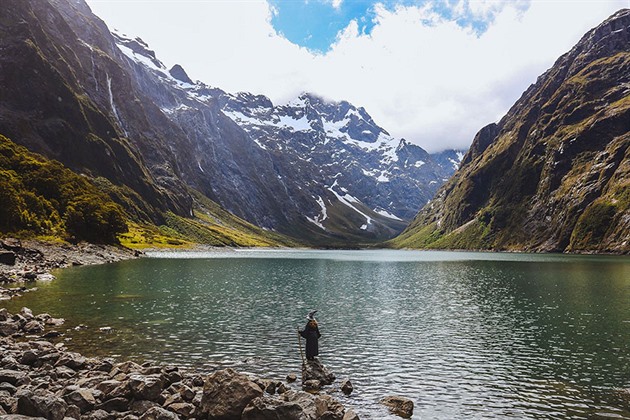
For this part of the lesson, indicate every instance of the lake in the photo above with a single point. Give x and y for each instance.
(464, 335)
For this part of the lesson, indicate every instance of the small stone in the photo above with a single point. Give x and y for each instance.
(115, 404)
(346, 387)
(26, 313)
(282, 388)
(311, 385)
(147, 387)
(7, 257)
(33, 327)
(182, 409)
(291, 377)
(55, 322)
(11, 376)
(82, 398)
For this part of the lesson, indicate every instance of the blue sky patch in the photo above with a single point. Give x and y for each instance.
(315, 24)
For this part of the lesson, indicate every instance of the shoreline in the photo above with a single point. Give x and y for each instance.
(24, 261)
(41, 378)
(44, 380)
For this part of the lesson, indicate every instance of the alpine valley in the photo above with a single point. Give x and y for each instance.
(206, 165)
(96, 134)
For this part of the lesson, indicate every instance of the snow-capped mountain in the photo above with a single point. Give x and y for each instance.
(314, 169)
(344, 150)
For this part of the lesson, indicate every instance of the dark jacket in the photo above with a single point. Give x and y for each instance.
(311, 333)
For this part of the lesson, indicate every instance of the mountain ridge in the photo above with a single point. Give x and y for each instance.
(553, 174)
(105, 106)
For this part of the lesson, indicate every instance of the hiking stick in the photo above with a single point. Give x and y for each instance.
(300, 343)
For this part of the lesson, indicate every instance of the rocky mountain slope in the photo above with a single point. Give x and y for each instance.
(554, 173)
(106, 107)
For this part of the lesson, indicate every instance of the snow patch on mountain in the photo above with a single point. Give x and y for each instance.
(295, 125)
(385, 213)
(347, 200)
(317, 220)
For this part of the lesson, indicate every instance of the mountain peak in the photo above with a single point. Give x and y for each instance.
(180, 74)
(138, 47)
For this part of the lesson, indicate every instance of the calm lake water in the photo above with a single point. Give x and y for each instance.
(464, 335)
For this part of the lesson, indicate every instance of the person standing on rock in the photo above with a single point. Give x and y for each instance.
(311, 334)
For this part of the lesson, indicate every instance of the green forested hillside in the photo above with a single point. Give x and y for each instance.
(42, 197)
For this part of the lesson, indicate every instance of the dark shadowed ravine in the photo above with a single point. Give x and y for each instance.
(464, 335)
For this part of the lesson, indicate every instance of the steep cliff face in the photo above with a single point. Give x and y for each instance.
(66, 98)
(105, 106)
(553, 174)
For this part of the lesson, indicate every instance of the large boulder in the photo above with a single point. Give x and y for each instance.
(400, 406)
(315, 370)
(7, 257)
(146, 387)
(40, 403)
(82, 398)
(294, 405)
(226, 393)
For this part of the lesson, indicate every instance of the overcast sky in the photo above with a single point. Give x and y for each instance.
(433, 72)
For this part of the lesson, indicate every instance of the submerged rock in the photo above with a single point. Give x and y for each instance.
(400, 406)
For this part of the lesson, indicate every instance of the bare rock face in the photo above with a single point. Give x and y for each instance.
(291, 168)
(226, 393)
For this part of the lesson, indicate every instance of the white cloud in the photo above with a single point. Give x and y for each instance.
(420, 77)
(336, 3)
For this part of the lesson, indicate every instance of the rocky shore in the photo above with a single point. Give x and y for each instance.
(42, 378)
(45, 380)
(26, 261)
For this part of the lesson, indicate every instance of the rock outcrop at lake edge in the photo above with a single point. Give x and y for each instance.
(32, 260)
(45, 380)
